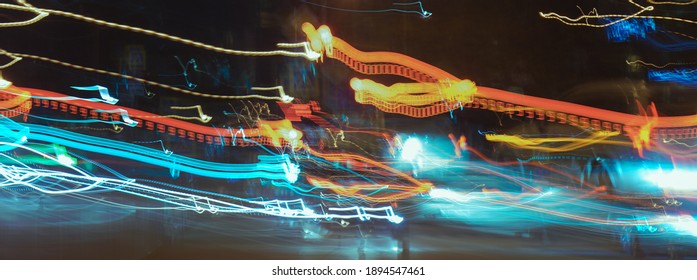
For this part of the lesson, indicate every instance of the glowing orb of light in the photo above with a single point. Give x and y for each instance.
(292, 134)
(411, 149)
(65, 160)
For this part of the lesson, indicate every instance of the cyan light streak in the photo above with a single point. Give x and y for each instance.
(79, 182)
(124, 115)
(59, 151)
(273, 168)
(103, 93)
(11, 132)
(77, 121)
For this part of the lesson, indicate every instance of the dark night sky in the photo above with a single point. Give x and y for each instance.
(502, 44)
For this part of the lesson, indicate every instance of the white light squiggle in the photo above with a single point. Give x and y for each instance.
(79, 182)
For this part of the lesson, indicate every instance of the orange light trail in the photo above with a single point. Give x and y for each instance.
(273, 133)
(496, 100)
(460, 144)
(641, 138)
(383, 193)
(438, 91)
(13, 102)
(418, 187)
(574, 178)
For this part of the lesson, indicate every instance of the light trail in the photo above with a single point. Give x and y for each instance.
(572, 177)
(641, 136)
(333, 157)
(648, 64)
(283, 98)
(392, 99)
(185, 72)
(39, 15)
(44, 12)
(629, 29)
(683, 76)
(278, 133)
(12, 102)
(114, 128)
(679, 143)
(103, 93)
(594, 15)
(14, 59)
(282, 94)
(423, 13)
(60, 153)
(690, 2)
(80, 182)
(553, 208)
(538, 143)
(162, 145)
(201, 116)
(639, 128)
(369, 192)
(275, 168)
(638, 15)
(112, 120)
(12, 132)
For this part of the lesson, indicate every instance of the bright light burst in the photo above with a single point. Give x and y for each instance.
(675, 179)
(412, 149)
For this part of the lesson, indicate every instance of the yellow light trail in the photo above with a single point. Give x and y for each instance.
(201, 116)
(415, 94)
(641, 137)
(282, 96)
(672, 3)
(517, 141)
(402, 192)
(648, 64)
(420, 99)
(381, 193)
(576, 21)
(41, 13)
